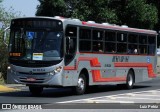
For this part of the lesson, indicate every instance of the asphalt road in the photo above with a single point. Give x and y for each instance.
(110, 97)
(54, 95)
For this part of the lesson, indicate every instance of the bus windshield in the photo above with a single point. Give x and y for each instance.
(36, 45)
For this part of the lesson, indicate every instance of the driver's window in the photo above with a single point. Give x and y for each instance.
(71, 43)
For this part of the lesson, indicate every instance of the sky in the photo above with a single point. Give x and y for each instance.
(25, 7)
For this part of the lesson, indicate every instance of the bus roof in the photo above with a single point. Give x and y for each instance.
(96, 25)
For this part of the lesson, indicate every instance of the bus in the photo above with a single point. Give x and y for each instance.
(65, 52)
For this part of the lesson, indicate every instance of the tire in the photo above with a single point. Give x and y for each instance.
(81, 85)
(36, 91)
(130, 80)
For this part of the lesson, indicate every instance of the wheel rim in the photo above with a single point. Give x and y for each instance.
(130, 80)
(81, 84)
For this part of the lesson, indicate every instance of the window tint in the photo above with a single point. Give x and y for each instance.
(71, 31)
(121, 48)
(85, 45)
(143, 39)
(133, 38)
(151, 44)
(85, 34)
(71, 43)
(110, 47)
(143, 49)
(132, 49)
(110, 36)
(85, 40)
(97, 46)
(121, 37)
(97, 35)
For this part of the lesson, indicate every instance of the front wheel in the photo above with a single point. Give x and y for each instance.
(36, 91)
(81, 85)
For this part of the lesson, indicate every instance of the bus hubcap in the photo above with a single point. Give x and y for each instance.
(130, 80)
(80, 83)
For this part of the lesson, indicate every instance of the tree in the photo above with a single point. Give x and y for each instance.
(96, 10)
(5, 18)
(139, 14)
(51, 8)
(134, 13)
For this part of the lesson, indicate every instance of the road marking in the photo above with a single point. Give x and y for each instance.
(111, 96)
(138, 98)
(105, 101)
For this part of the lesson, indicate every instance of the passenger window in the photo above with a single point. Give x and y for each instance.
(121, 48)
(85, 34)
(143, 39)
(85, 40)
(151, 45)
(133, 38)
(97, 46)
(121, 37)
(110, 47)
(97, 35)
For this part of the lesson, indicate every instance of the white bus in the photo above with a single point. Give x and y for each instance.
(65, 52)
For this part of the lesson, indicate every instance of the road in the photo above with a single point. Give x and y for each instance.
(146, 92)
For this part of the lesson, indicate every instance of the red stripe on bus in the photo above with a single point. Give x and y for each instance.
(128, 64)
(95, 73)
(93, 63)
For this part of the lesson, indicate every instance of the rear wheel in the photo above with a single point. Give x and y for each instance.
(130, 80)
(36, 91)
(81, 85)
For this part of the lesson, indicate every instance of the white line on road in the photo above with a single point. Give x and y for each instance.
(105, 101)
(108, 96)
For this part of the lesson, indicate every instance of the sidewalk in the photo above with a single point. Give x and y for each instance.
(11, 87)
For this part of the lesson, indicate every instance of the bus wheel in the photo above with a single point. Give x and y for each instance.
(36, 91)
(81, 85)
(130, 80)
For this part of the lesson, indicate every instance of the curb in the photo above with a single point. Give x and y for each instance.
(4, 88)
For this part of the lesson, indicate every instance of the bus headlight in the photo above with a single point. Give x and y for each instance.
(58, 69)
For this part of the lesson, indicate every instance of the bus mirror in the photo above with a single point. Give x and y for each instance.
(5, 36)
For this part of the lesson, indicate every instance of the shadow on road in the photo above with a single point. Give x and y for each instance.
(64, 92)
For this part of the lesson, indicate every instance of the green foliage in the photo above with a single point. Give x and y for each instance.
(140, 14)
(51, 8)
(96, 10)
(5, 18)
(134, 13)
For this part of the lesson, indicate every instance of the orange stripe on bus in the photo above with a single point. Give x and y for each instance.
(95, 73)
(128, 64)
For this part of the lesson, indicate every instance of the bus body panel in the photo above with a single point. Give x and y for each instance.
(102, 68)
